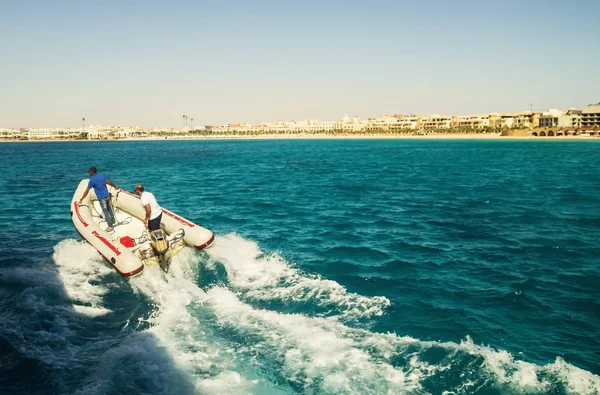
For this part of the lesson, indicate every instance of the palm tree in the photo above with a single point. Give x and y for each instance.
(192, 123)
(184, 124)
(83, 134)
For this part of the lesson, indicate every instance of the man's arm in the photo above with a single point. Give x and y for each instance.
(147, 207)
(84, 195)
(109, 182)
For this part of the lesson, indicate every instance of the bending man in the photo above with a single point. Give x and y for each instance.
(153, 210)
(99, 182)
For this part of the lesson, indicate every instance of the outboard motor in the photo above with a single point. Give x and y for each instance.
(159, 242)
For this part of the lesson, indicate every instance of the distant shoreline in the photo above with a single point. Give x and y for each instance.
(471, 136)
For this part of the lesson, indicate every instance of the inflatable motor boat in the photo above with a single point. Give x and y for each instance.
(129, 246)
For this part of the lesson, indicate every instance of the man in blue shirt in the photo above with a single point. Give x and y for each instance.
(99, 182)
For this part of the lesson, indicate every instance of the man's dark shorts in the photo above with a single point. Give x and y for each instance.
(154, 224)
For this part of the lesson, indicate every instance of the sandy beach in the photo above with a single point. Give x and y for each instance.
(470, 136)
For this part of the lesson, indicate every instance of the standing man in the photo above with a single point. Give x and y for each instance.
(99, 182)
(153, 210)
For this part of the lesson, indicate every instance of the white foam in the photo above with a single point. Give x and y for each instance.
(517, 375)
(524, 375)
(577, 380)
(207, 363)
(270, 277)
(173, 356)
(313, 350)
(319, 354)
(81, 269)
(227, 382)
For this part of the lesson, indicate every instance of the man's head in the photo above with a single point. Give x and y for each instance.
(139, 188)
(92, 170)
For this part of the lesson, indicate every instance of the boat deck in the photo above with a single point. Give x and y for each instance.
(132, 226)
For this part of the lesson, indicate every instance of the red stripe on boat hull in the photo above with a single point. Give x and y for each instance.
(107, 243)
(201, 246)
(129, 274)
(76, 206)
(178, 218)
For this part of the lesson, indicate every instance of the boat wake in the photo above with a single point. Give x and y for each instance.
(261, 277)
(269, 327)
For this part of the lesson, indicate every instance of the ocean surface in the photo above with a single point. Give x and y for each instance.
(339, 267)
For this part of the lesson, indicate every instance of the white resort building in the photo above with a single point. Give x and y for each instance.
(590, 116)
(11, 134)
(517, 120)
(473, 121)
(558, 118)
(436, 121)
(392, 123)
(49, 134)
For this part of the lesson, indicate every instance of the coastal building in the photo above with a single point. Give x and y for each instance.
(590, 117)
(49, 134)
(237, 127)
(392, 123)
(324, 127)
(11, 134)
(383, 123)
(406, 122)
(472, 121)
(557, 118)
(94, 134)
(518, 120)
(436, 121)
(216, 129)
(227, 128)
(260, 128)
(305, 125)
(313, 125)
(279, 127)
(350, 125)
(98, 132)
(129, 132)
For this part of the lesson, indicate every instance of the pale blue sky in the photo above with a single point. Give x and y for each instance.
(148, 63)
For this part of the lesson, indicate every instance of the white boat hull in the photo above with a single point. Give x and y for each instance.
(130, 261)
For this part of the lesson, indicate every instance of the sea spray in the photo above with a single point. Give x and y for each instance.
(268, 277)
(209, 340)
(83, 273)
(318, 353)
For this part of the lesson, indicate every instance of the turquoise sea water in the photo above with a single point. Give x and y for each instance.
(371, 266)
